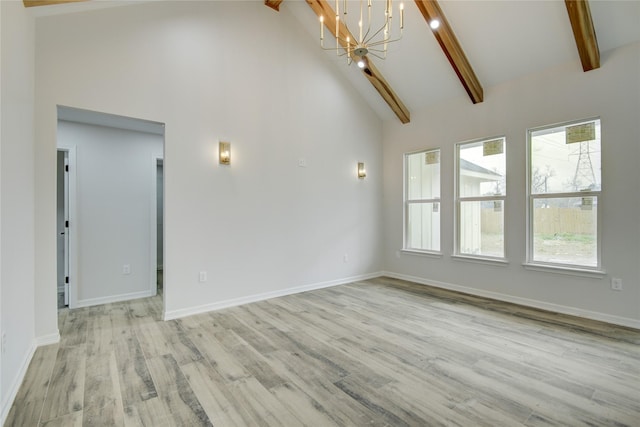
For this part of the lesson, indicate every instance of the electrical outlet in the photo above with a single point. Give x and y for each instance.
(126, 269)
(203, 276)
(4, 342)
(345, 258)
(302, 162)
(616, 284)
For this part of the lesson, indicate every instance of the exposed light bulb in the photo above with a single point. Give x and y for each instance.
(361, 63)
(434, 24)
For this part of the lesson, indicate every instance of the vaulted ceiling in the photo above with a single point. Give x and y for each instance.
(479, 44)
(485, 43)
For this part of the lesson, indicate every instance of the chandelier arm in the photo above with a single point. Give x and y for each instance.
(377, 52)
(376, 55)
(383, 41)
(336, 50)
(374, 35)
(346, 42)
(364, 37)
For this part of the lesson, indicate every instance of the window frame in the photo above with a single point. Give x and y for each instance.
(406, 202)
(459, 199)
(578, 269)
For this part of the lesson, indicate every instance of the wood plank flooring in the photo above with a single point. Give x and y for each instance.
(381, 352)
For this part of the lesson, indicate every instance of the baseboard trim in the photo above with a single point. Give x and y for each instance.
(114, 298)
(17, 382)
(48, 339)
(205, 308)
(556, 308)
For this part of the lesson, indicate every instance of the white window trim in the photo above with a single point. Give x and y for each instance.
(565, 269)
(457, 201)
(424, 253)
(570, 269)
(488, 260)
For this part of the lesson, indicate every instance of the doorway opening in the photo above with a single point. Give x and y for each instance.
(110, 208)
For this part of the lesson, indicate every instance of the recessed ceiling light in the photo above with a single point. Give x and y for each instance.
(434, 24)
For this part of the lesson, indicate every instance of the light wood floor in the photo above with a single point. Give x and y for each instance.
(378, 353)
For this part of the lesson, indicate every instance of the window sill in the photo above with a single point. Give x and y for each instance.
(481, 260)
(415, 252)
(571, 271)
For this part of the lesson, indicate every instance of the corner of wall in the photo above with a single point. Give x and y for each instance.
(9, 396)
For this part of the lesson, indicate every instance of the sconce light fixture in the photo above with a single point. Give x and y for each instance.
(362, 172)
(224, 152)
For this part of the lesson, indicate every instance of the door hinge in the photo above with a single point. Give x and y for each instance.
(66, 224)
(66, 279)
(66, 168)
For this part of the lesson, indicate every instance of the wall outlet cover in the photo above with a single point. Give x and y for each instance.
(616, 284)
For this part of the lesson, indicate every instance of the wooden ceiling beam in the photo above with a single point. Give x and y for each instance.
(430, 10)
(322, 8)
(388, 94)
(273, 4)
(584, 33)
(32, 3)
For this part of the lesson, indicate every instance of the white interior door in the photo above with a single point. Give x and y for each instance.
(66, 228)
(67, 258)
(62, 220)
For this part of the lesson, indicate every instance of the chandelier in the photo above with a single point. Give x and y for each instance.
(373, 34)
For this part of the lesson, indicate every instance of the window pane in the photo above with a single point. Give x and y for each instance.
(482, 228)
(565, 159)
(423, 175)
(564, 230)
(423, 226)
(482, 168)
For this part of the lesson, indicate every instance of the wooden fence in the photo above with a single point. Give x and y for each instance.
(548, 221)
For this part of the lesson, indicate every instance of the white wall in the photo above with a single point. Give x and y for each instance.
(115, 210)
(233, 70)
(560, 94)
(17, 192)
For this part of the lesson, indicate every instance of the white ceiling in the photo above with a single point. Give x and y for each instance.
(503, 39)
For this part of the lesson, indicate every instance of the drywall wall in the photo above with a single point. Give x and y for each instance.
(559, 94)
(236, 71)
(114, 211)
(16, 189)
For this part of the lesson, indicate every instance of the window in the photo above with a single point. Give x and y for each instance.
(564, 191)
(480, 196)
(422, 201)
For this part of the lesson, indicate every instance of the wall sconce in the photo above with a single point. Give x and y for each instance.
(224, 153)
(362, 172)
